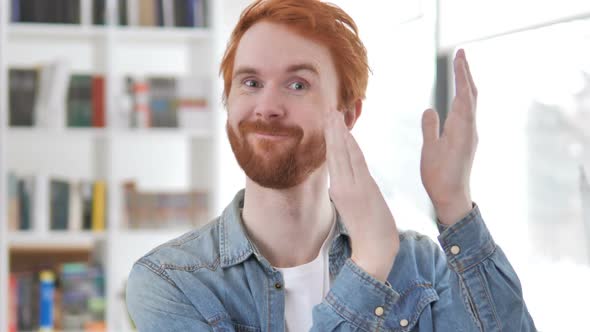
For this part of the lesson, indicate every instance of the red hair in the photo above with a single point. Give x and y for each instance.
(319, 21)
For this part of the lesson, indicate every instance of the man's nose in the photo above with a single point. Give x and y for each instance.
(270, 105)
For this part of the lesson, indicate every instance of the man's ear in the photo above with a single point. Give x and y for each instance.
(353, 113)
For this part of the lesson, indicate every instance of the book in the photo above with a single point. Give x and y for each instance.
(53, 89)
(201, 17)
(59, 192)
(162, 98)
(22, 96)
(80, 101)
(153, 210)
(122, 12)
(12, 303)
(43, 11)
(26, 192)
(75, 293)
(141, 107)
(99, 206)
(27, 301)
(98, 12)
(133, 12)
(15, 11)
(75, 207)
(86, 189)
(13, 202)
(83, 297)
(98, 101)
(168, 13)
(147, 13)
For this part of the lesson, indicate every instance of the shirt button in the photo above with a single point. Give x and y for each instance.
(455, 250)
(379, 311)
(278, 285)
(404, 322)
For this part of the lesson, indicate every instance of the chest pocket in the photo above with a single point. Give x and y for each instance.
(225, 327)
(414, 301)
(244, 328)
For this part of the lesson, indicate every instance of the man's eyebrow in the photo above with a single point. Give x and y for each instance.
(303, 66)
(291, 69)
(245, 71)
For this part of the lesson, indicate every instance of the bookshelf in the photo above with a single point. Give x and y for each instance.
(158, 159)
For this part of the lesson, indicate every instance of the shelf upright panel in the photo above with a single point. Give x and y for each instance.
(112, 197)
(4, 264)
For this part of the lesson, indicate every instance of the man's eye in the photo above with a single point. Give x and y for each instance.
(297, 86)
(251, 83)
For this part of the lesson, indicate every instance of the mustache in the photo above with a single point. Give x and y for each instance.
(269, 128)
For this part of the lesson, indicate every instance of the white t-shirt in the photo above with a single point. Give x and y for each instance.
(305, 286)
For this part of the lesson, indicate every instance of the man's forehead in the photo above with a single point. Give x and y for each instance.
(274, 47)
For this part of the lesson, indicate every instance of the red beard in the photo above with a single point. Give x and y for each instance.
(277, 164)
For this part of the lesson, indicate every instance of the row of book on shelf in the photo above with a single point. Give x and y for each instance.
(168, 13)
(68, 296)
(80, 205)
(51, 97)
(72, 205)
(158, 209)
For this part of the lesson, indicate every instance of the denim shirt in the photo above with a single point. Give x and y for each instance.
(213, 279)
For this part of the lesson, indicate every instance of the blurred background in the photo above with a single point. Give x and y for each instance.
(112, 139)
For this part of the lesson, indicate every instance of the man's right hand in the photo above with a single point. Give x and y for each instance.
(370, 224)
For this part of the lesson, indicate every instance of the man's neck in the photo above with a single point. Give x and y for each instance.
(289, 226)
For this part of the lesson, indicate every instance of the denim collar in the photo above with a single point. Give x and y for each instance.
(235, 246)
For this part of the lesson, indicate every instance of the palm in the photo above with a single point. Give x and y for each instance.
(447, 159)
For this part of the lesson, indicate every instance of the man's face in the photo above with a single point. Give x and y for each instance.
(282, 85)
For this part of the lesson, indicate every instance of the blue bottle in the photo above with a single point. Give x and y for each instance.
(46, 291)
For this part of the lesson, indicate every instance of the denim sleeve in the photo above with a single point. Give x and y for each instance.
(475, 288)
(156, 304)
(352, 302)
(481, 277)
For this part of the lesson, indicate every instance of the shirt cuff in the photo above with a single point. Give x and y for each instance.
(466, 243)
(367, 310)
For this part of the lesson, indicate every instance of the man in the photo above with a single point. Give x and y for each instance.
(294, 252)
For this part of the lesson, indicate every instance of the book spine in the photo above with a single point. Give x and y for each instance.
(98, 112)
(141, 109)
(22, 97)
(133, 12)
(98, 206)
(12, 303)
(46, 292)
(13, 202)
(75, 212)
(25, 199)
(15, 11)
(60, 201)
(122, 12)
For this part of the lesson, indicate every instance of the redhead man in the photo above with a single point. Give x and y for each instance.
(310, 243)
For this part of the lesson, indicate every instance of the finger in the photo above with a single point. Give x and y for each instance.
(469, 76)
(430, 126)
(357, 159)
(462, 85)
(336, 150)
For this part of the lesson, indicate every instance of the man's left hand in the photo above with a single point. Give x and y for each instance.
(447, 158)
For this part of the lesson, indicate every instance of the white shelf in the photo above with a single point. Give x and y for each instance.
(175, 132)
(80, 133)
(66, 240)
(20, 132)
(54, 31)
(158, 35)
(154, 35)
